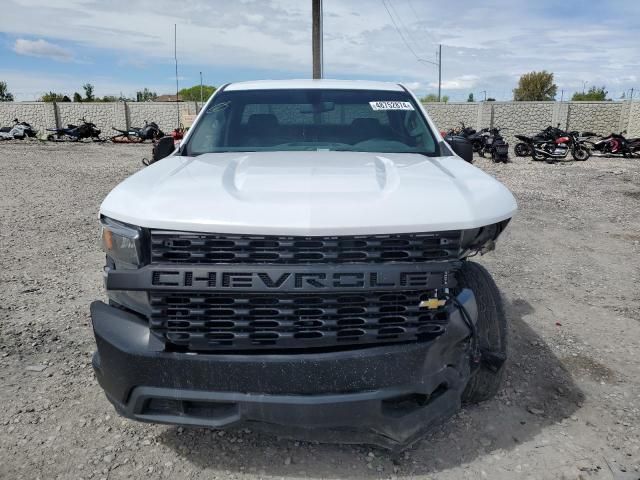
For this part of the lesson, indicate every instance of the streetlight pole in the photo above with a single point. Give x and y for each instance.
(439, 70)
(200, 89)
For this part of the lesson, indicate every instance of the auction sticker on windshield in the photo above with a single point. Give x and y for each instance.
(385, 105)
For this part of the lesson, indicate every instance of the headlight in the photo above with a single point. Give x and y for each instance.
(121, 243)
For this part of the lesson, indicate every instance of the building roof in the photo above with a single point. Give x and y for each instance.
(167, 98)
(308, 83)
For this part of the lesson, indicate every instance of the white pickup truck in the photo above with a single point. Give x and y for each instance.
(299, 264)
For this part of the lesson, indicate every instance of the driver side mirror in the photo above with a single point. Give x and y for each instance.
(163, 148)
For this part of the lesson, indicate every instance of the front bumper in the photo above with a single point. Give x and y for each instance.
(387, 395)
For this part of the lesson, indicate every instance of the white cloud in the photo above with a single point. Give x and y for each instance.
(42, 48)
(26, 86)
(463, 82)
(486, 47)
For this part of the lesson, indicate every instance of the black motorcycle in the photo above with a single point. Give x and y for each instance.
(150, 131)
(75, 133)
(495, 146)
(553, 149)
(523, 147)
(478, 139)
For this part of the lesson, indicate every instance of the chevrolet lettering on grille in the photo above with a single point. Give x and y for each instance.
(282, 279)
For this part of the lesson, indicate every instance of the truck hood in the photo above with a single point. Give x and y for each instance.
(310, 193)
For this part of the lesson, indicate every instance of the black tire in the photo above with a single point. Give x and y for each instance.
(522, 150)
(492, 331)
(537, 156)
(580, 154)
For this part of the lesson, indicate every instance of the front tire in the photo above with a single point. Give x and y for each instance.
(537, 156)
(580, 154)
(492, 331)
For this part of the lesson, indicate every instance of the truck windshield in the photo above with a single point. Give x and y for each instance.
(312, 120)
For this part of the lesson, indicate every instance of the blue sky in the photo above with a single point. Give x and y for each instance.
(123, 46)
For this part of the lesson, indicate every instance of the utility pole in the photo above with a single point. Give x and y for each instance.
(439, 70)
(631, 97)
(200, 89)
(561, 95)
(485, 94)
(175, 56)
(584, 83)
(316, 38)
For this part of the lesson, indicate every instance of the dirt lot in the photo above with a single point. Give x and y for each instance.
(569, 268)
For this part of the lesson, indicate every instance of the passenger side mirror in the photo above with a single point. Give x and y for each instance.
(461, 147)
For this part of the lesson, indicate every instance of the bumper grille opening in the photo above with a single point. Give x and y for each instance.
(294, 320)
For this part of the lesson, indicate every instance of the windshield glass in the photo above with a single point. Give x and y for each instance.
(312, 119)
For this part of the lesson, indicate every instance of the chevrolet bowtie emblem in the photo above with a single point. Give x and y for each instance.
(432, 303)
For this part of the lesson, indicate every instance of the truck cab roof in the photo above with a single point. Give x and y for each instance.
(315, 84)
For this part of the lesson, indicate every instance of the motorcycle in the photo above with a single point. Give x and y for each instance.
(75, 133)
(495, 146)
(614, 145)
(553, 149)
(461, 131)
(523, 147)
(150, 131)
(19, 130)
(478, 139)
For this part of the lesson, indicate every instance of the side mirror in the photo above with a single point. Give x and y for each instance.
(162, 148)
(461, 147)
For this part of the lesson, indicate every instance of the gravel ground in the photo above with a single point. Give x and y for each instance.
(568, 265)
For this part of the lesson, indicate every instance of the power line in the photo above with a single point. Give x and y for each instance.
(403, 25)
(431, 37)
(438, 63)
(404, 40)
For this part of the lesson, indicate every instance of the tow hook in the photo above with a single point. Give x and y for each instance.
(492, 360)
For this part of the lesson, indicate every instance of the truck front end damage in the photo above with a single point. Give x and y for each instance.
(288, 335)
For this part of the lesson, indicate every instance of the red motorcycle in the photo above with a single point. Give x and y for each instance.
(552, 149)
(614, 145)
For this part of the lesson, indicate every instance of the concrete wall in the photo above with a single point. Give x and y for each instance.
(514, 117)
(104, 115)
(39, 115)
(529, 118)
(164, 114)
(449, 115)
(633, 126)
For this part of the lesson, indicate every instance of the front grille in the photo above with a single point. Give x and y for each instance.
(205, 248)
(250, 321)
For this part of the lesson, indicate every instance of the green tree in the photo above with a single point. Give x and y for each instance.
(77, 97)
(535, 86)
(470, 98)
(5, 95)
(593, 94)
(88, 92)
(432, 97)
(145, 95)
(54, 97)
(192, 94)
